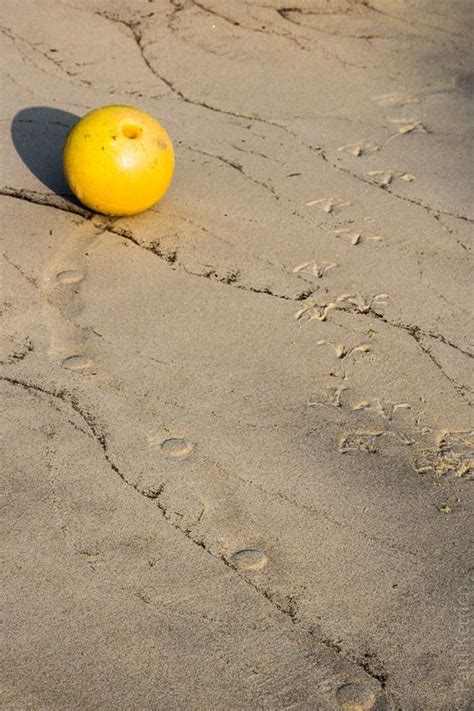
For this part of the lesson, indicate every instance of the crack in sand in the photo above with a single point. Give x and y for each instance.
(413, 328)
(364, 306)
(287, 605)
(411, 22)
(286, 14)
(210, 11)
(433, 211)
(459, 387)
(451, 232)
(260, 30)
(134, 28)
(31, 280)
(335, 522)
(59, 203)
(236, 166)
(20, 352)
(72, 76)
(416, 333)
(231, 278)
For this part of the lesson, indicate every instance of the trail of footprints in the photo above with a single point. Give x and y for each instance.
(76, 361)
(453, 453)
(404, 126)
(173, 447)
(57, 289)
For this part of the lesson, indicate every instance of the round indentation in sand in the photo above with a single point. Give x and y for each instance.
(71, 276)
(78, 361)
(355, 697)
(250, 559)
(465, 83)
(176, 447)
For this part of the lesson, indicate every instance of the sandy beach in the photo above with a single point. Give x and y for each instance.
(237, 428)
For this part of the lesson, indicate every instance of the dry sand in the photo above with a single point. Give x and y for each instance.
(237, 426)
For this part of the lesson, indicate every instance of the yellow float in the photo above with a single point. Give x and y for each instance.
(118, 160)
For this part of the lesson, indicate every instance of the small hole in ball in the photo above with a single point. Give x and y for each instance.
(129, 130)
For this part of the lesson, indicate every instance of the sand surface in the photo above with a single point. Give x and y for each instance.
(236, 427)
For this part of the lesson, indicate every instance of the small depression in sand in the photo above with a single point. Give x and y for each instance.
(72, 276)
(249, 559)
(176, 447)
(355, 697)
(77, 361)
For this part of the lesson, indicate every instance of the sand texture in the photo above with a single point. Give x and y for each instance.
(237, 430)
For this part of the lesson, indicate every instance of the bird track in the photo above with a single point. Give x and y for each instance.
(171, 259)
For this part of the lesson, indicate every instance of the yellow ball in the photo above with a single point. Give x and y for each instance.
(118, 160)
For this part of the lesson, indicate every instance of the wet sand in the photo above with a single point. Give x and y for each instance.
(237, 428)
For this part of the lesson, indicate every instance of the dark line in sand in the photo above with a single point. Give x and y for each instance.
(289, 607)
